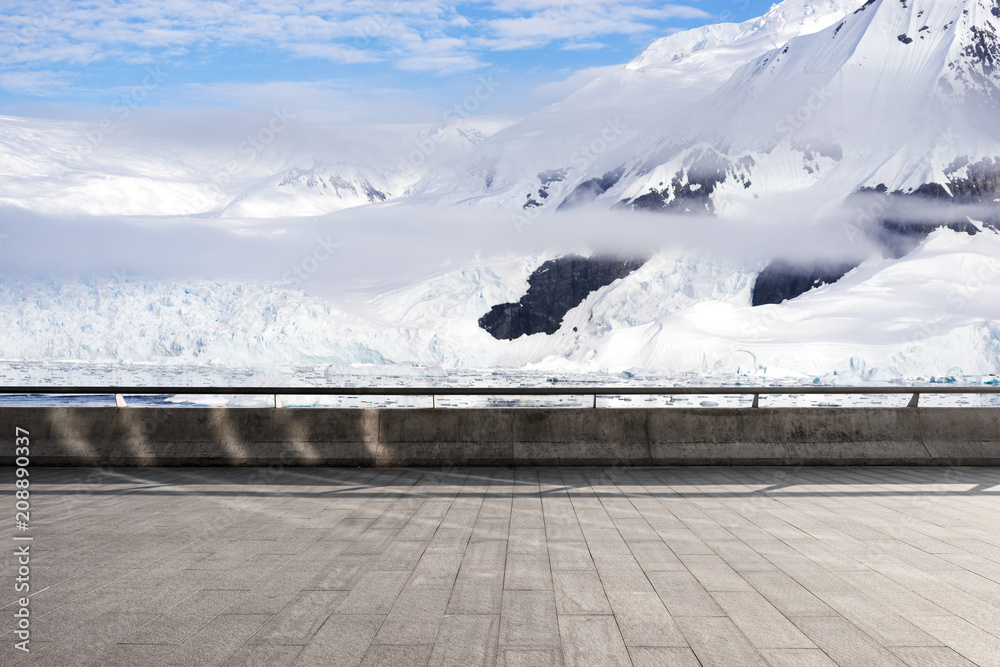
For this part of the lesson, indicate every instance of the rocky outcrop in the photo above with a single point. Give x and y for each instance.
(894, 231)
(545, 180)
(690, 190)
(553, 289)
(781, 280)
(590, 190)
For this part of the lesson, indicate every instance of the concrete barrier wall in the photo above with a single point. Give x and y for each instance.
(505, 436)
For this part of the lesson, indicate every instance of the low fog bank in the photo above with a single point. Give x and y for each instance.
(393, 245)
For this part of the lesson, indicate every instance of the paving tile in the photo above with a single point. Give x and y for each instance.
(636, 530)
(656, 557)
(797, 657)
(527, 572)
(936, 656)
(183, 620)
(476, 592)
(415, 618)
(714, 573)
(528, 620)
(879, 622)
(787, 595)
(683, 595)
(740, 556)
(487, 530)
(579, 592)
(530, 657)
(299, 620)
(845, 643)
(644, 620)
(606, 542)
(526, 541)
(622, 573)
(250, 572)
(400, 555)
(263, 656)
(343, 640)
(436, 571)
(381, 655)
(215, 642)
(649, 656)
(716, 641)
(758, 619)
(683, 541)
(341, 574)
(570, 555)
(592, 641)
(118, 655)
(375, 593)
(969, 641)
(466, 641)
(488, 555)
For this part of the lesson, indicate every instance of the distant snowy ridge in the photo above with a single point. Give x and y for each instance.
(64, 167)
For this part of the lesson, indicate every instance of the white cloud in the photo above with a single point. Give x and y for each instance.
(416, 35)
(38, 83)
(554, 90)
(583, 46)
(327, 101)
(547, 21)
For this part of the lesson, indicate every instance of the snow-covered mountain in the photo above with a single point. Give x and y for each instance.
(539, 160)
(828, 97)
(894, 95)
(822, 95)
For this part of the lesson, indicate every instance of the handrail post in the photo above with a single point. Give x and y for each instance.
(756, 401)
(595, 401)
(434, 403)
(914, 400)
(277, 401)
(120, 401)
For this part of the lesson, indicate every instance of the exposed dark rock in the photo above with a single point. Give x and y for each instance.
(905, 39)
(898, 238)
(590, 190)
(314, 180)
(864, 6)
(781, 280)
(895, 233)
(553, 289)
(690, 190)
(545, 178)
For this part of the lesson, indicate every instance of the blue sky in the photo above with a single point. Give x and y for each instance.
(335, 60)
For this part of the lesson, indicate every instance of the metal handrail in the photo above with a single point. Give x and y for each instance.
(501, 391)
(120, 392)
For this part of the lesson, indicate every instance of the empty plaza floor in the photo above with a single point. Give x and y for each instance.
(494, 566)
